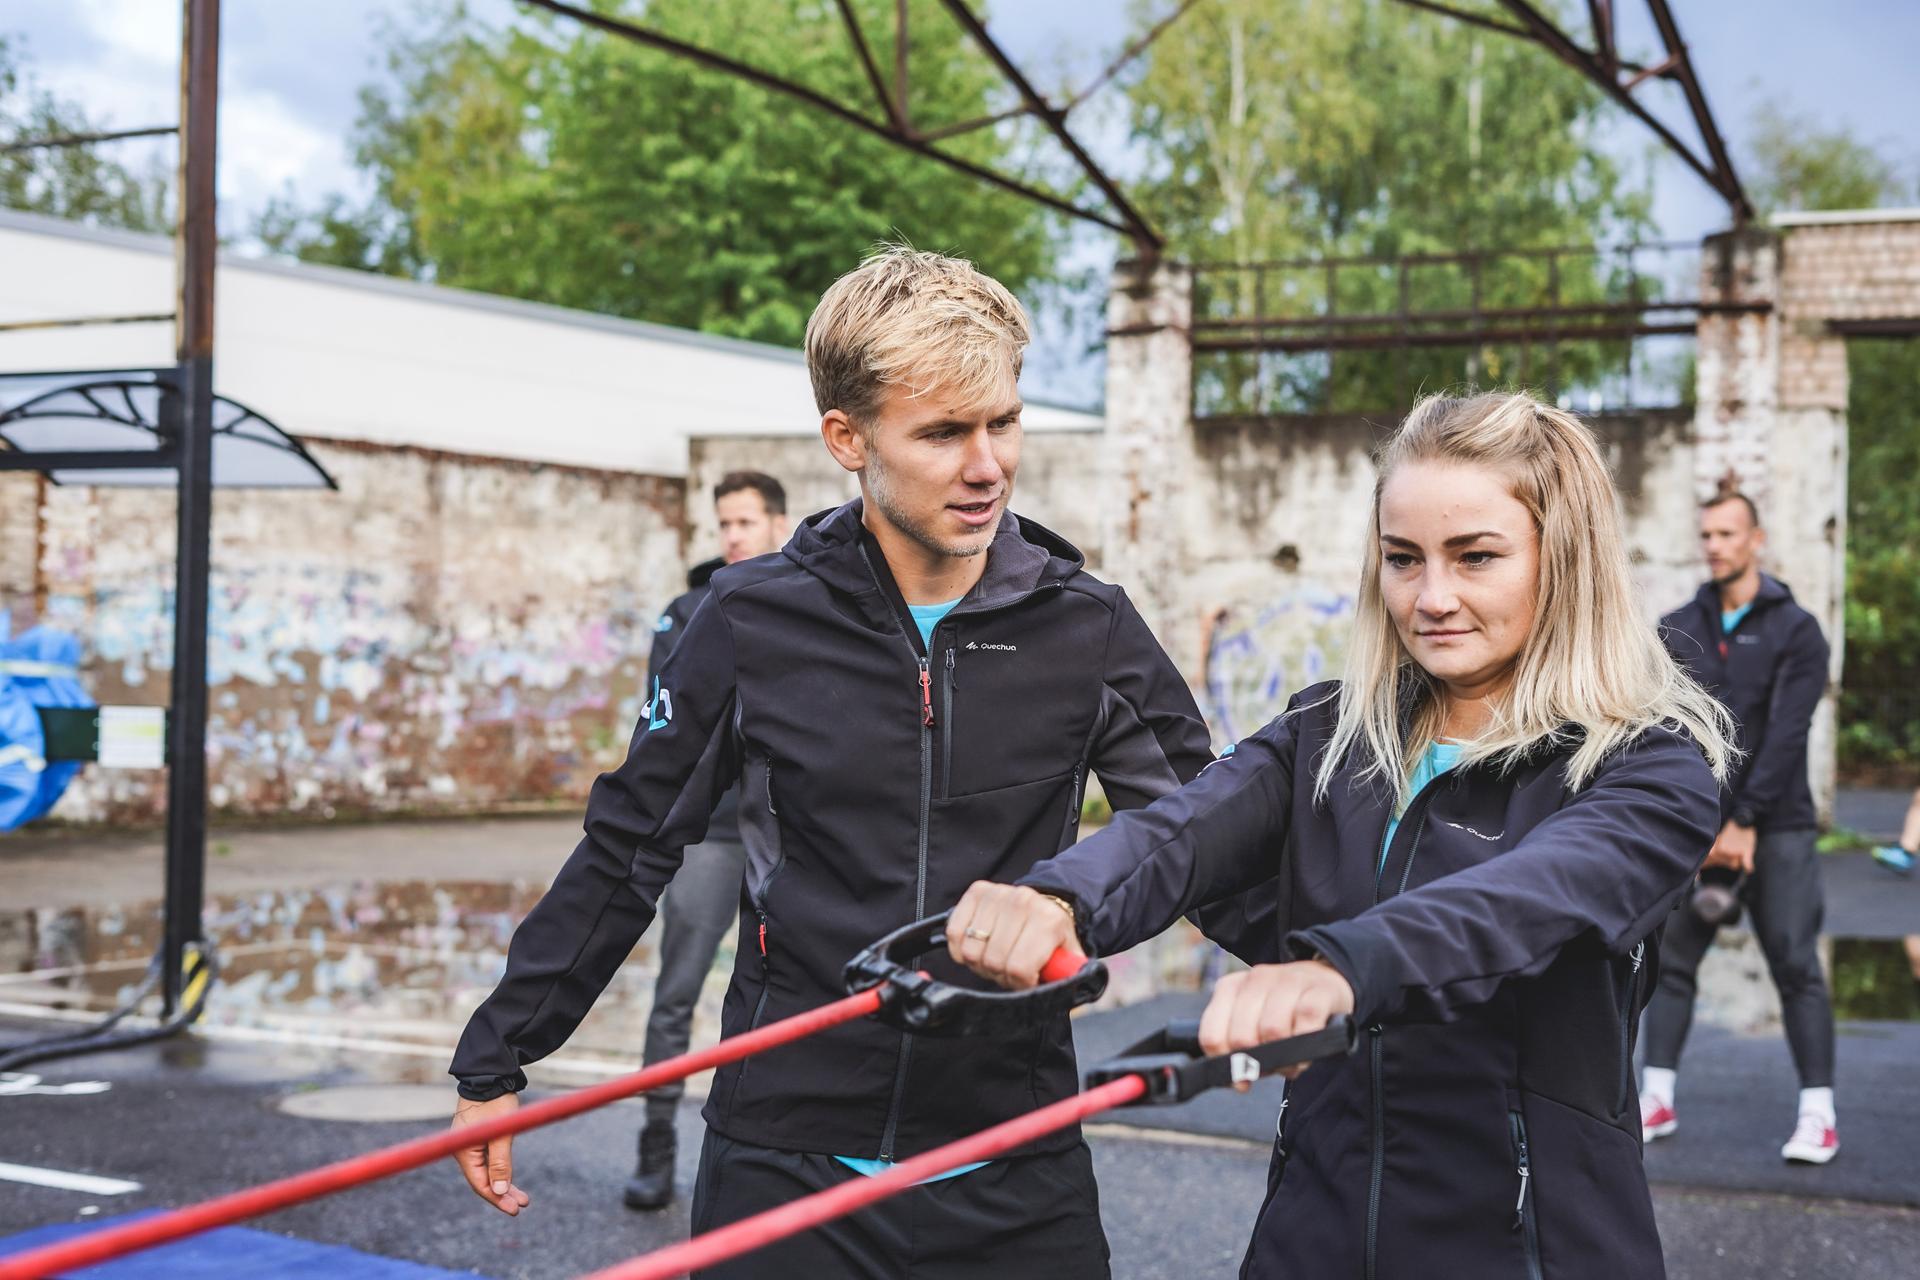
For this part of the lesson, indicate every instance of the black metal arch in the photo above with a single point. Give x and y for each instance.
(121, 428)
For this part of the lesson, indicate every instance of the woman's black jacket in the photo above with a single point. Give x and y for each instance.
(1487, 1125)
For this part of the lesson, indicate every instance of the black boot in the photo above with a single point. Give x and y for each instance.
(651, 1186)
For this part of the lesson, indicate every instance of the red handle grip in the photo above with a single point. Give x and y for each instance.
(1062, 964)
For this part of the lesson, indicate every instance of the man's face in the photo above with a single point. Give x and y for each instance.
(940, 470)
(1730, 541)
(747, 528)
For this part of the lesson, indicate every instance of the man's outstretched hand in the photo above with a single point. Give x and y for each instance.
(488, 1166)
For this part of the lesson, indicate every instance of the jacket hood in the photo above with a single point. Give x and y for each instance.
(1024, 556)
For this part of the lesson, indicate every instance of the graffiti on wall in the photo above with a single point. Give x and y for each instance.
(1259, 655)
(445, 634)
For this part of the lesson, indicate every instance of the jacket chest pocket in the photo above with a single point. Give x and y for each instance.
(1003, 719)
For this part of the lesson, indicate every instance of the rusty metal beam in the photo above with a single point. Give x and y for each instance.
(1600, 15)
(1127, 55)
(902, 42)
(1448, 338)
(1130, 226)
(946, 131)
(1697, 103)
(1562, 47)
(1146, 239)
(1114, 68)
(1471, 19)
(75, 322)
(867, 64)
(82, 139)
(1603, 68)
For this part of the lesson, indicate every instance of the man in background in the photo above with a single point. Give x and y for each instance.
(703, 902)
(1745, 639)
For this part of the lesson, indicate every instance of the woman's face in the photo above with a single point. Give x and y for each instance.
(1459, 571)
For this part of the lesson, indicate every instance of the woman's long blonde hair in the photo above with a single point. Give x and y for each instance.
(1592, 675)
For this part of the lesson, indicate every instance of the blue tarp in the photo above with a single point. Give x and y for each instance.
(38, 668)
(227, 1253)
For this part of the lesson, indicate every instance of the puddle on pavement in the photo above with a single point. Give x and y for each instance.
(401, 961)
(1874, 980)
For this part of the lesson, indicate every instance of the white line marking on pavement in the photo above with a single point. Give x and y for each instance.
(14, 1084)
(63, 1181)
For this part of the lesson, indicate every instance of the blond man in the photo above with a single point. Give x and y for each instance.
(910, 697)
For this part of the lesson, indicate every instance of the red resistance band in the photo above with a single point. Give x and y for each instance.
(131, 1237)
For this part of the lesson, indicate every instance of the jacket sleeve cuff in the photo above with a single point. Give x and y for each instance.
(1364, 962)
(1082, 918)
(487, 1088)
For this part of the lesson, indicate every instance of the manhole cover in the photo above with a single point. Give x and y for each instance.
(372, 1102)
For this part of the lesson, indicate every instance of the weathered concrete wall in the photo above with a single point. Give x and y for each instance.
(1056, 484)
(446, 633)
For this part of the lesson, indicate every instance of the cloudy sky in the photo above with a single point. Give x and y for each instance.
(291, 73)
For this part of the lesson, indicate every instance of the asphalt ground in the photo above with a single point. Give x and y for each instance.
(197, 1117)
(1179, 1186)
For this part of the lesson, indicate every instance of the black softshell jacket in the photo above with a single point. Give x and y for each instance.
(1487, 1126)
(879, 777)
(1770, 672)
(725, 822)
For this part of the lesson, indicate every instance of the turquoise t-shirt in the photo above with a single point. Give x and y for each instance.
(927, 616)
(1439, 757)
(1729, 619)
(874, 1168)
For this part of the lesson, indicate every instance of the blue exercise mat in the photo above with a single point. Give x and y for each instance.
(228, 1253)
(38, 668)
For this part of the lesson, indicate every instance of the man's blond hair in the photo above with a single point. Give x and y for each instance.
(907, 318)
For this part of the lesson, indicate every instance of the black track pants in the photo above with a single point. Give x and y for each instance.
(1785, 901)
(1029, 1218)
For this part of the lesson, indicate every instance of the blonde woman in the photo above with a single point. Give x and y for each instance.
(1467, 844)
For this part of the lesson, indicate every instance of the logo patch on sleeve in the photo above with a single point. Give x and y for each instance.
(659, 711)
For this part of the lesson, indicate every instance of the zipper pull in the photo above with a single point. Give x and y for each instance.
(1639, 954)
(926, 694)
(1519, 1205)
(763, 936)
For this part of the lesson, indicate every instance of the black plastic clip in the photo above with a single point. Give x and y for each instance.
(1171, 1063)
(915, 1001)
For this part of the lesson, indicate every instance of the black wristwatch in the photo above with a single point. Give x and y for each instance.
(1743, 816)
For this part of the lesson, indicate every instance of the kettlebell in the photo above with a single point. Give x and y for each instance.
(1717, 902)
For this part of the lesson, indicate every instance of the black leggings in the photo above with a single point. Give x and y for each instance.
(1784, 898)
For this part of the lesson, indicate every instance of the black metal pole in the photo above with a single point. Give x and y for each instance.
(194, 250)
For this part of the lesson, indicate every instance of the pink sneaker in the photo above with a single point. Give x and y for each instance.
(1656, 1118)
(1814, 1141)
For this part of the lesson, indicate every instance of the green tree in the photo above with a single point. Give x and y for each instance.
(1795, 162)
(82, 183)
(554, 163)
(1287, 128)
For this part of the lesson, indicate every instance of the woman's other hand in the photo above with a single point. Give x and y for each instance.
(1273, 1002)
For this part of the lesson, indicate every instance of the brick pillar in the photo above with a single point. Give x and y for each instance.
(1770, 420)
(1736, 364)
(1147, 465)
